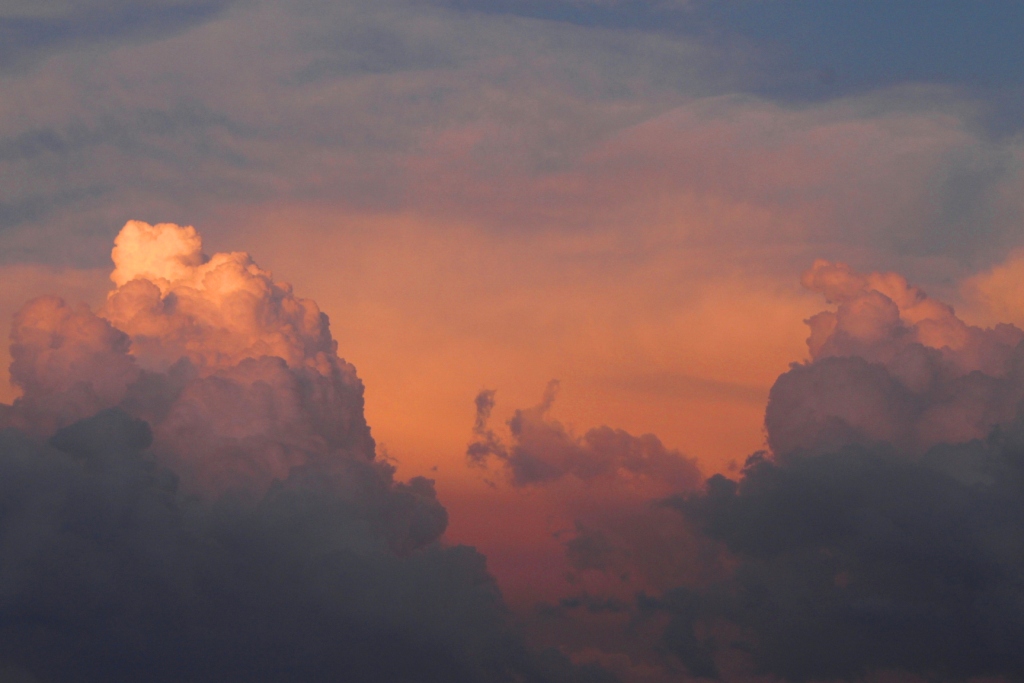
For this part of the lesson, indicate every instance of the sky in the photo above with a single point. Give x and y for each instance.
(512, 340)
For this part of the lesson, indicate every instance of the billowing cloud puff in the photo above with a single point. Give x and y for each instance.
(220, 359)
(892, 365)
(543, 450)
(175, 302)
(189, 491)
(69, 362)
(883, 532)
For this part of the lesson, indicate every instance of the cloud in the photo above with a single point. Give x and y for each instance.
(882, 532)
(601, 493)
(189, 490)
(880, 536)
(860, 560)
(995, 294)
(68, 362)
(543, 450)
(33, 31)
(218, 357)
(25, 282)
(111, 573)
(503, 122)
(892, 365)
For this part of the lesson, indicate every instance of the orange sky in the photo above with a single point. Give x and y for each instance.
(653, 341)
(430, 315)
(658, 341)
(485, 195)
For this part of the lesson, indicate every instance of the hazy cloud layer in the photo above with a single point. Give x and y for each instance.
(33, 31)
(508, 122)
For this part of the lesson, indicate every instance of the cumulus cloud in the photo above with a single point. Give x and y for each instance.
(892, 365)
(880, 535)
(882, 532)
(189, 491)
(542, 450)
(239, 378)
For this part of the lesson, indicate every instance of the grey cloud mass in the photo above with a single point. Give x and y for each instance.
(859, 560)
(885, 529)
(111, 573)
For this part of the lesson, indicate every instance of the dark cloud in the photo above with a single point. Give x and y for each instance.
(110, 573)
(859, 560)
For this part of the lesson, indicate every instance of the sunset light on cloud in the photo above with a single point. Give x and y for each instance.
(502, 340)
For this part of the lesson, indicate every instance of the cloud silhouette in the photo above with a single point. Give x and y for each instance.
(860, 559)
